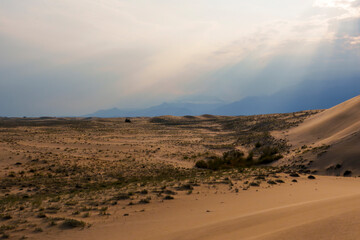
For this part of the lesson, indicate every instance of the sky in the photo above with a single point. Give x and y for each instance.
(65, 57)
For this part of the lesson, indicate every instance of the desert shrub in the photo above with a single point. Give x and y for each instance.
(269, 155)
(311, 177)
(168, 197)
(144, 201)
(254, 184)
(73, 223)
(230, 159)
(237, 159)
(6, 228)
(121, 196)
(185, 187)
(347, 173)
(201, 164)
(216, 163)
(271, 182)
(294, 175)
(169, 192)
(6, 217)
(5, 236)
(144, 192)
(38, 229)
(41, 215)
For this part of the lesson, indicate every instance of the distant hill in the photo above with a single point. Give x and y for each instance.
(175, 109)
(307, 95)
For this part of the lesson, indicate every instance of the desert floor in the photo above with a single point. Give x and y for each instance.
(324, 208)
(107, 179)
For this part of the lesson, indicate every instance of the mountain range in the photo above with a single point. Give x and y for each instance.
(307, 95)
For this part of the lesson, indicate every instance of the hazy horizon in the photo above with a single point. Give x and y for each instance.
(75, 57)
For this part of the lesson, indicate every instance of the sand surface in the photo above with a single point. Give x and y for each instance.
(324, 208)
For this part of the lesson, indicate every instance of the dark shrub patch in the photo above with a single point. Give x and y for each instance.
(185, 187)
(144, 201)
(237, 159)
(231, 159)
(269, 155)
(347, 173)
(311, 177)
(144, 192)
(121, 196)
(38, 230)
(41, 215)
(201, 164)
(73, 223)
(168, 197)
(6, 217)
(169, 192)
(294, 175)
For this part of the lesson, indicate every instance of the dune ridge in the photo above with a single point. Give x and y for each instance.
(329, 126)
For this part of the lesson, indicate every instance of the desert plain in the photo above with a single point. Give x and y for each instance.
(277, 176)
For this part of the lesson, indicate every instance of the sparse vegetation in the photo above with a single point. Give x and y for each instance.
(236, 159)
(62, 168)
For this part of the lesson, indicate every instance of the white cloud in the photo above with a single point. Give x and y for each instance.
(351, 7)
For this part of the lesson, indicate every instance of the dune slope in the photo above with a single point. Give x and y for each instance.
(338, 129)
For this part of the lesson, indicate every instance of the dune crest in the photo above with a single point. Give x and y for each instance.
(329, 126)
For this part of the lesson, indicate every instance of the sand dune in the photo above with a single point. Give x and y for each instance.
(338, 131)
(330, 126)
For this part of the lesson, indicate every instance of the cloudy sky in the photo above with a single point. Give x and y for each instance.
(66, 57)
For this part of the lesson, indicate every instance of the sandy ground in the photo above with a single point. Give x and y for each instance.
(324, 208)
(107, 179)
